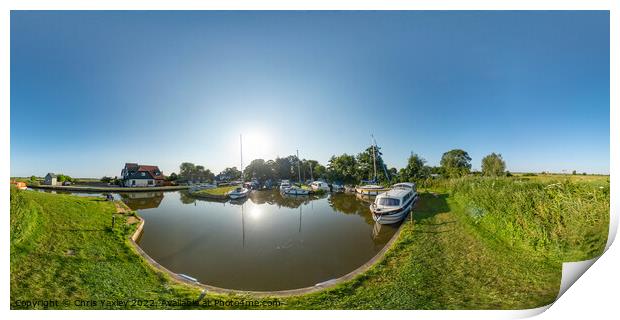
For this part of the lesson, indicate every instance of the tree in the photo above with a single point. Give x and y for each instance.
(187, 171)
(366, 164)
(574, 172)
(493, 165)
(231, 173)
(62, 178)
(258, 169)
(342, 168)
(455, 163)
(172, 177)
(105, 179)
(415, 169)
(191, 172)
(283, 167)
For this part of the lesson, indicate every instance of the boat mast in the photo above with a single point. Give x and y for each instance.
(241, 147)
(374, 157)
(298, 170)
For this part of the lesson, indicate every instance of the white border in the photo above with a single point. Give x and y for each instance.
(584, 299)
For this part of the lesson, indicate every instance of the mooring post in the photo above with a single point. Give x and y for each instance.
(113, 221)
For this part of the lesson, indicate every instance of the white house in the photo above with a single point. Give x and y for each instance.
(50, 179)
(135, 175)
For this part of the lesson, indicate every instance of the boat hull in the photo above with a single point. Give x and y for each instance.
(370, 192)
(238, 195)
(296, 192)
(393, 216)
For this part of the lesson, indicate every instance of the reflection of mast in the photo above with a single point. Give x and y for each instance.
(300, 218)
(242, 227)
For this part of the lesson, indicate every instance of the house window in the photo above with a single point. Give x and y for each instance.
(150, 182)
(133, 182)
(142, 173)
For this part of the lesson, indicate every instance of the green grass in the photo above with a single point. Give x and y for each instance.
(475, 243)
(219, 191)
(63, 247)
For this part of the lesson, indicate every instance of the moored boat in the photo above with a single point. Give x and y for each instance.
(337, 187)
(284, 185)
(239, 192)
(296, 191)
(371, 189)
(394, 205)
(319, 185)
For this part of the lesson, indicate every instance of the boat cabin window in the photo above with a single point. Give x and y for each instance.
(407, 196)
(389, 202)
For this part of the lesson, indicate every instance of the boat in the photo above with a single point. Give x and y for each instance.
(394, 205)
(296, 191)
(202, 186)
(406, 185)
(371, 188)
(319, 185)
(337, 187)
(241, 191)
(284, 184)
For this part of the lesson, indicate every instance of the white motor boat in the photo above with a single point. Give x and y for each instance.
(284, 185)
(296, 191)
(337, 187)
(394, 205)
(238, 193)
(319, 185)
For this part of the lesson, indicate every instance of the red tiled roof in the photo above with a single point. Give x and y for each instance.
(151, 170)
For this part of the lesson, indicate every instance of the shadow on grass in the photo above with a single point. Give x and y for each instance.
(429, 205)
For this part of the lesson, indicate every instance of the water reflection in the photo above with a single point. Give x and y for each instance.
(264, 242)
(142, 200)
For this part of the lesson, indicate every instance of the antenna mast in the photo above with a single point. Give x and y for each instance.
(374, 157)
(298, 170)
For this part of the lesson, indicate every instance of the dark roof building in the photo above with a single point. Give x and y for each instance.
(134, 175)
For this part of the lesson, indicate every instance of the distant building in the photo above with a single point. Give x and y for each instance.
(137, 175)
(50, 179)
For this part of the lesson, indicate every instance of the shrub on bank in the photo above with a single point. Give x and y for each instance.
(563, 220)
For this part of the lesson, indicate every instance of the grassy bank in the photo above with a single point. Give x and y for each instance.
(215, 192)
(63, 247)
(473, 244)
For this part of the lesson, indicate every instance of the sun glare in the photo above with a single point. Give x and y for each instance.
(257, 144)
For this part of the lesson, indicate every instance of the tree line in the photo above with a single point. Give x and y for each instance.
(347, 169)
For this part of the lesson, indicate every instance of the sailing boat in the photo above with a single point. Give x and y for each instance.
(372, 189)
(295, 190)
(240, 192)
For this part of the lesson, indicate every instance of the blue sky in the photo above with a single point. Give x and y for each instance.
(93, 90)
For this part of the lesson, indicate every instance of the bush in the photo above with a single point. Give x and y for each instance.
(565, 220)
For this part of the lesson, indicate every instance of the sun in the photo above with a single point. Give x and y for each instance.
(257, 144)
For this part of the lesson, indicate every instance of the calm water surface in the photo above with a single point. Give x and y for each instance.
(266, 242)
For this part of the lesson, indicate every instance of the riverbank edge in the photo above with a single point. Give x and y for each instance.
(260, 294)
(108, 189)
